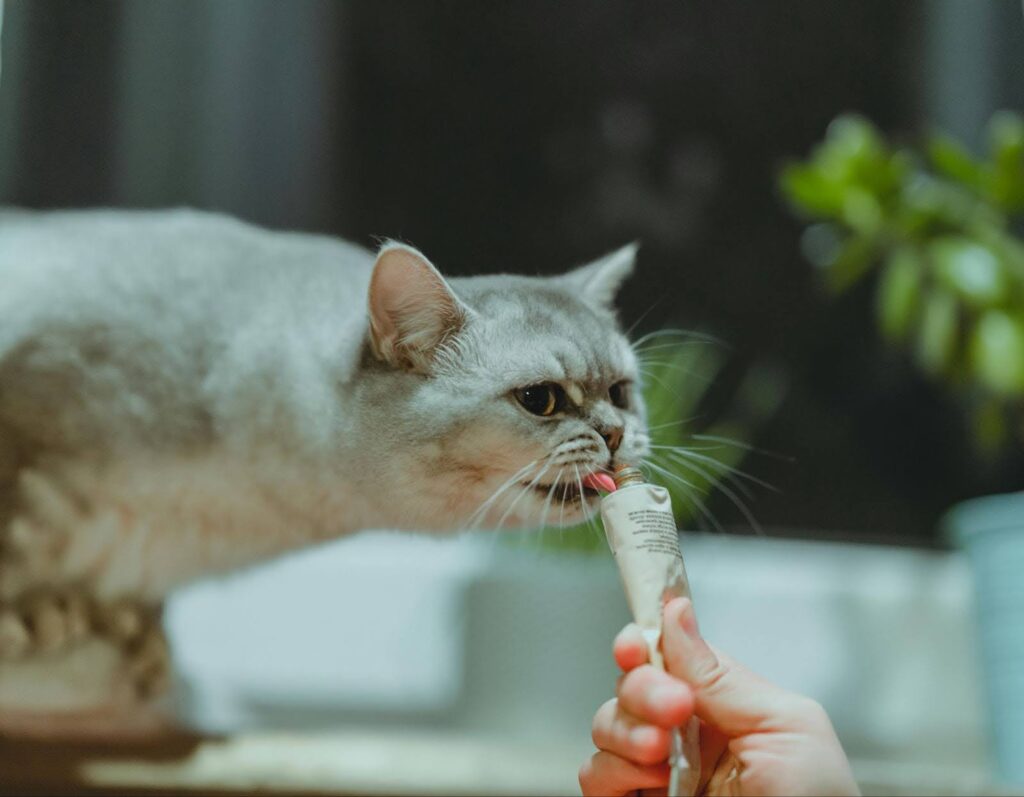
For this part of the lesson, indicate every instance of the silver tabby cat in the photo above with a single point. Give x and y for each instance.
(182, 394)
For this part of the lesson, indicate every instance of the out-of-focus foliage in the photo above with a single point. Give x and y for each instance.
(939, 226)
(691, 455)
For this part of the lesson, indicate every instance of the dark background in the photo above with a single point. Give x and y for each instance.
(530, 136)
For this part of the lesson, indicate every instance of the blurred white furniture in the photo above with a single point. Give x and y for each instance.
(471, 646)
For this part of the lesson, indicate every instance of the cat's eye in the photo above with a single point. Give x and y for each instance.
(544, 399)
(619, 394)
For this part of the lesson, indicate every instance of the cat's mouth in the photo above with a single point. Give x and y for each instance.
(565, 491)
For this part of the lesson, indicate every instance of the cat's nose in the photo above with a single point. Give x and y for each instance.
(612, 437)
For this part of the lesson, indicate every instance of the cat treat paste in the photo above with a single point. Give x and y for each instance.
(641, 531)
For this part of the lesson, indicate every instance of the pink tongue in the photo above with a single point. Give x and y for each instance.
(599, 481)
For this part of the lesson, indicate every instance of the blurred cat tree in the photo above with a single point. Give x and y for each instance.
(942, 229)
(695, 449)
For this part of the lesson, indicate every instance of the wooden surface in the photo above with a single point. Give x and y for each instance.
(362, 761)
(39, 767)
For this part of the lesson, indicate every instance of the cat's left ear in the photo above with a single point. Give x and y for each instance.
(600, 281)
(412, 309)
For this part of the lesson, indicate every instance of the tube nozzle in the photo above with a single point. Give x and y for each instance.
(627, 474)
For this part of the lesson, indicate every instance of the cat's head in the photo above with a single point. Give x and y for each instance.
(500, 393)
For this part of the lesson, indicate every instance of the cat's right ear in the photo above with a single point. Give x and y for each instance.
(412, 309)
(598, 282)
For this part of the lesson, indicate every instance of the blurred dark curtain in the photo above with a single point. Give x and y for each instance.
(529, 136)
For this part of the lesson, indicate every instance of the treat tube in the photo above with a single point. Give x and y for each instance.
(641, 531)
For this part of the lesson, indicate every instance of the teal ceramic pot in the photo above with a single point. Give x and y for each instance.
(991, 531)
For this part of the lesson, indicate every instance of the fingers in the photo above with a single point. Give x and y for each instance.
(608, 775)
(655, 697)
(725, 694)
(630, 648)
(616, 731)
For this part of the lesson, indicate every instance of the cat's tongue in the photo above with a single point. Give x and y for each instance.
(599, 481)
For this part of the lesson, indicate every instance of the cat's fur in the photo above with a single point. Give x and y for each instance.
(183, 394)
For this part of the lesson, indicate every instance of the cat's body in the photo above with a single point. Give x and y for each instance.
(177, 379)
(182, 394)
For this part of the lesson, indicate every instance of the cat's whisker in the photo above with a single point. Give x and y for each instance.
(691, 453)
(744, 446)
(477, 516)
(588, 516)
(736, 501)
(643, 315)
(716, 478)
(689, 448)
(547, 499)
(678, 333)
(642, 351)
(693, 493)
(660, 381)
(654, 367)
(691, 460)
(561, 510)
(680, 422)
(650, 368)
(523, 492)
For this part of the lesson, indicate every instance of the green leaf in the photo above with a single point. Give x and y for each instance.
(862, 212)
(971, 270)
(936, 341)
(850, 142)
(997, 353)
(947, 229)
(952, 160)
(853, 261)
(899, 293)
(810, 191)
(1006, 137)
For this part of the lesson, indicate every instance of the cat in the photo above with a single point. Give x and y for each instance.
(183, 394)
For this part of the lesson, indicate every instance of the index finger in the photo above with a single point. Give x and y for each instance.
(630, 648)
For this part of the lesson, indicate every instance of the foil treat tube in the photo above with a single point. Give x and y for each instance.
(641, 531)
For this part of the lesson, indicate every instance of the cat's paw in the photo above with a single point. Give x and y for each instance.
(43, 542)
(43, 623)
(47, 622)
(15, 639)
(149, 663)
(138, 630)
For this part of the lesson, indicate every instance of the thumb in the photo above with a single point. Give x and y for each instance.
(726, 695)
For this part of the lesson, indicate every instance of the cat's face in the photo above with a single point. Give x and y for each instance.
(515, 388)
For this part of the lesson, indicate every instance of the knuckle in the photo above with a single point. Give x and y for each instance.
(713, 677)
(804, 713)
(812, 712)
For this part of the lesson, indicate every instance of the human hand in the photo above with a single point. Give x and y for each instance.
(756, 739)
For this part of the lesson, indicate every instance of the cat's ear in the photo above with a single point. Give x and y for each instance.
(412, 309)
(599, 282)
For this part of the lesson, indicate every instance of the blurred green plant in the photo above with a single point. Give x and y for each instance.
(940, 227)
(689, 456)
